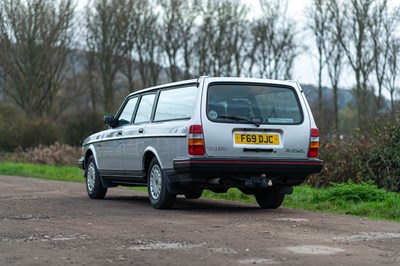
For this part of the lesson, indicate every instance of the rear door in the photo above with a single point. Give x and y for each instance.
(132, 137)
(254, 119)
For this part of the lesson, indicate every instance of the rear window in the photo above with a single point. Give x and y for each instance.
(241, 103)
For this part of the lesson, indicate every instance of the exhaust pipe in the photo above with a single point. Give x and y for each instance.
(215, 181)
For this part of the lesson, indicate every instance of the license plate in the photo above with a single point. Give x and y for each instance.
(257, 138)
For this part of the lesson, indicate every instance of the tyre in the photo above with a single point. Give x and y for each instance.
(159, 196)
(195, 194)
(94, 186)
(269, 199)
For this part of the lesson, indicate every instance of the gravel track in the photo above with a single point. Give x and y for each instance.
(55, 223)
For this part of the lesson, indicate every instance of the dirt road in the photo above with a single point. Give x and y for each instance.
(55, 223)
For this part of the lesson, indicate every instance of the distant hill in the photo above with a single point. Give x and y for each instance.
(346, 97)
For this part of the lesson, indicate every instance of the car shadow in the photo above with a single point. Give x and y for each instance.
(196, 205)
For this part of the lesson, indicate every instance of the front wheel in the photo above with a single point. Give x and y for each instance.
(269, 199)
(94, 186)
(160, 197)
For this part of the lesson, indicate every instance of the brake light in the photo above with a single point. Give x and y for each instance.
(314, 143)
(196, 140)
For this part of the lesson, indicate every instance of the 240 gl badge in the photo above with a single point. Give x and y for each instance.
(295, 151)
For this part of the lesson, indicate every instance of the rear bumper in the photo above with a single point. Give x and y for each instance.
(235, 172)
(282, 167)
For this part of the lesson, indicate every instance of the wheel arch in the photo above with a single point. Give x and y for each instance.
(89, 152)
(148, 156)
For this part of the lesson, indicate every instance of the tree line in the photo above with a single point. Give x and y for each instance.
(140, 43)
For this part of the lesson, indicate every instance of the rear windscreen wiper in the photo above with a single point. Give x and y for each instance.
(239, 119)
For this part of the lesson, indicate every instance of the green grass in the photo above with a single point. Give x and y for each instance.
(364, 200)
(61, 173)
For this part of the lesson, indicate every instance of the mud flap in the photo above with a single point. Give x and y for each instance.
(174, 188)
(285, 190)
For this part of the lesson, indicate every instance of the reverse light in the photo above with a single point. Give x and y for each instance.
(196, 140)
(314, 143)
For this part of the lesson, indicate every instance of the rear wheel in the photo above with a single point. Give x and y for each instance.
(269, 199)
(195, 194)
(159, 196)
(94, 186)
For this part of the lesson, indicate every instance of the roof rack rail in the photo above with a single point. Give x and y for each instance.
(197, 82)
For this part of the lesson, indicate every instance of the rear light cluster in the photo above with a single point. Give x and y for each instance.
(314, 143)
(196, 140)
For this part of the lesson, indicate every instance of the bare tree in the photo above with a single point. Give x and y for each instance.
(104, 40)
(238, 39)
(317, 21)
(147, 49)
(205, 37)
(188, 48)
(334, 54)
(92, 76)
(131, 21)
(356, 42)
(177, 21)
(383, 26)
(2, 74)
(274, 42)
(72, 94)
(220, 38)
(35, 42)
(393, 72)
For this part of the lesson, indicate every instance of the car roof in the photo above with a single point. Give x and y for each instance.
(172, 84)
(216, 79)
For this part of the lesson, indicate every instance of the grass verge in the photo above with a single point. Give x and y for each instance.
(364, 200)
(61, 173)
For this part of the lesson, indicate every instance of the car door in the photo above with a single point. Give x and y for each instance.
(111, 159)
(132, 137)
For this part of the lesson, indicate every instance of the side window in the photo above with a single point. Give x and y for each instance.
(144, 110)
(126, 114)
(175, 104)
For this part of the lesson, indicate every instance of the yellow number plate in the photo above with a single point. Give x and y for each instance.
(265, 139)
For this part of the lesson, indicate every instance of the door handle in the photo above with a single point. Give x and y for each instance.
(119, 132)
(140, 130)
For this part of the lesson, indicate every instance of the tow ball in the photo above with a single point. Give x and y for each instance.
(258, 182)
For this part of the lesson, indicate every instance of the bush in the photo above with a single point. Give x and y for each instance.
(80, 126)
(56, 154)
(19, 131)
(349, 191)
(381, 163)
(9, 121)
(374, 156)
(339, 155)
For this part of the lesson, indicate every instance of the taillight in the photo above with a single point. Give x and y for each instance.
(196, 141)
(314, 143)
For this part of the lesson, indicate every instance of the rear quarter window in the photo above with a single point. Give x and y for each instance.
(266, 104)
(175, 104)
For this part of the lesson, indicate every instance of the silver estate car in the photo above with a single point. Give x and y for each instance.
(256, 135)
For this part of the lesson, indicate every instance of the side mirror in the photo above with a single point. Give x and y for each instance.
(110, 120)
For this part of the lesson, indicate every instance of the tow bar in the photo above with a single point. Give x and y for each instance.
(258, 182)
